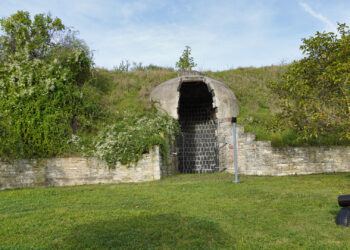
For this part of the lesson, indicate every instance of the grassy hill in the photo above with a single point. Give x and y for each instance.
(124, 107)
(130, 91)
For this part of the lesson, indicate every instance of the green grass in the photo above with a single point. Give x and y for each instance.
(205, 211)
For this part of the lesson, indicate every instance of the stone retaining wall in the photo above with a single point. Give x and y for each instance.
(78, 171)
(260, 158)
(254, 158)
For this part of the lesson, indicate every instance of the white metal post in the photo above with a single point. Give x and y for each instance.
(234, 120)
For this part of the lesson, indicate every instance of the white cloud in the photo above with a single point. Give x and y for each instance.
(329, 26)
(220, 37)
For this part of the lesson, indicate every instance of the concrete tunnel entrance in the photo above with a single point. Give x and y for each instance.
(204, 108)
(198, 143)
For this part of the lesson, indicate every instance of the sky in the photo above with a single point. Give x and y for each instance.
(222, 34)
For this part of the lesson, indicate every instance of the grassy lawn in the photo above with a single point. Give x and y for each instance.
(185, 211)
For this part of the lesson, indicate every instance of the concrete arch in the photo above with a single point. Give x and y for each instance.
(167, 95)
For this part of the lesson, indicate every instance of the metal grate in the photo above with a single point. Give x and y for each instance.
(198, 142)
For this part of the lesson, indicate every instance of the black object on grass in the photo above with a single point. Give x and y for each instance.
(343, 217)
(344, 200)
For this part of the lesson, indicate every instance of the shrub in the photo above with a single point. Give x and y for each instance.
(316, 90)
(132, 135)
(44, 71)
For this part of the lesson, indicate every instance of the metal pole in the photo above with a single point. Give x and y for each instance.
(183, 153)
(234, 120)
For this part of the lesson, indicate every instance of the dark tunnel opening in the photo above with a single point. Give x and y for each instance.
(197, 143)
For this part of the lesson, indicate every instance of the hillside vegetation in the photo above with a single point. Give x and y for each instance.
(258, 104)
(131, 90)
(53, 102)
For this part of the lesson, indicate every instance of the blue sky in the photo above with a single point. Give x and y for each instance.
(222, 34)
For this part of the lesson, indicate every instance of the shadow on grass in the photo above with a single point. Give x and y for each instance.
(334, 212)
(148, 231)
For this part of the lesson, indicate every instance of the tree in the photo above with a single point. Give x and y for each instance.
(316, 89)
(43, 69)
(186, 62)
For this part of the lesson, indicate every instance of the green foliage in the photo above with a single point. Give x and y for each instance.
(186, 62)
(44, 93)
(133, 135)
(316, 90)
